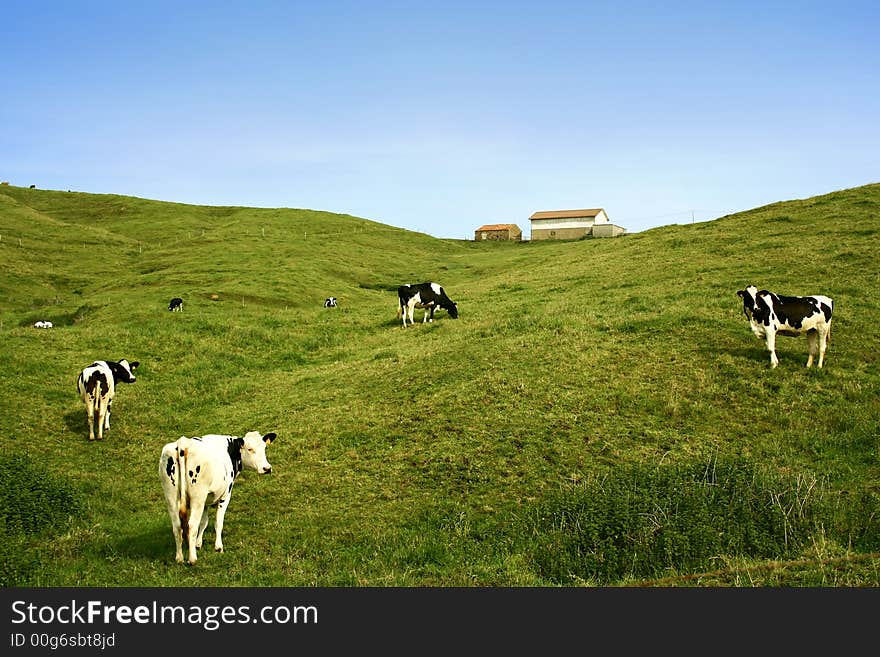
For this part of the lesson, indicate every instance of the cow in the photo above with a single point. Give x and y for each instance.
(176, 304)
(199, 471)
(429, 296)
(330, 302)
(96, 385)
(772, 314)
(42, 324)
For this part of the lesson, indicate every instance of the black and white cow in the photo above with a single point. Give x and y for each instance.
(330, 302)
(200, 471)
(771, 314)
(96, 385)
(176, 304)
(429, 296)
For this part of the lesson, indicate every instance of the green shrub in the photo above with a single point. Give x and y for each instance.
(32, 503)
(643, 521)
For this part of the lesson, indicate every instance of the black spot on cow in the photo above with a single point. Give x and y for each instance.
(169, 469)
(234, 449)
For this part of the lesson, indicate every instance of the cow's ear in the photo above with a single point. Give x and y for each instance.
(269, 437)
(741, 293)
(134, 364)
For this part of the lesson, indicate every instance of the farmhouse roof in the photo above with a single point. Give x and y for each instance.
(497, 227)
(566, 214)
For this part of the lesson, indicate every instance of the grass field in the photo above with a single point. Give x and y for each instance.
(599, 414)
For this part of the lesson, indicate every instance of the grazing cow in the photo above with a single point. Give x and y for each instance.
(771, 314)
(42, 324)
(96, 385)
(429, 296)
(176, 304)
(200, 471)
(330, 302)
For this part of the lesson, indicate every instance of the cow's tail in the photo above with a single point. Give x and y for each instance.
(182, 493)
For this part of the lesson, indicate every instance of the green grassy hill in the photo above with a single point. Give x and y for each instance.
(600, 413)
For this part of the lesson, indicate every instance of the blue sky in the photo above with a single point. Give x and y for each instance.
(439, 117)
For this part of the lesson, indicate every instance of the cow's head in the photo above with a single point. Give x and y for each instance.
(750, 300)
(124, 371)
(253, 451)
(452, 309)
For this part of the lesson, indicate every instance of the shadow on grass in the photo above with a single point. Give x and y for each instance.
(156, 543)
(760, 357)
(77, 422)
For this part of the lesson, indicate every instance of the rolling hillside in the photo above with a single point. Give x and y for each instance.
(600, 413)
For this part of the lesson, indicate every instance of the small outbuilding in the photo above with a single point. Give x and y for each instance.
(503, 232)
(572, 224)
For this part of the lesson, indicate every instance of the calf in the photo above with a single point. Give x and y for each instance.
(176, 304)
(429, 296)
(330, 302)
(200, 471)
(96, 385)
(770, 314)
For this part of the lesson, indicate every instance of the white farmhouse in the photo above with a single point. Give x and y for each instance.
(572, 224)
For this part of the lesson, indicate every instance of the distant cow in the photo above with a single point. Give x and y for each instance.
(429, 296)
(176, 304)
(96, 385)
(33, 187)
(330, 302)
(200, 471)
(770, 314)
(42, 324)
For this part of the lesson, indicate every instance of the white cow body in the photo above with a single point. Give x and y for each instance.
(96, 385)
(772, 314)
(199, 471)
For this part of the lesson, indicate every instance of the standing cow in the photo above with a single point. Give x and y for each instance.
(429, 296)
(772, 314)
(330, 302)
(198, 472)
(96, 385)
(176, 305)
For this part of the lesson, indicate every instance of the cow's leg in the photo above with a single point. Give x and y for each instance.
(102, 416)
(202, 525)
(218, 523)
(90, 411)
(196, 511)
(813, 345)
(176, 529)
(107, 413)
(823, 344)
(410, 309)
(771, 347)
